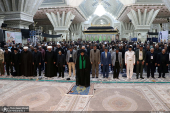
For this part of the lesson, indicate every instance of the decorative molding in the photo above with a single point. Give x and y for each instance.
(167, 3)
(61, 21)
(19, 10)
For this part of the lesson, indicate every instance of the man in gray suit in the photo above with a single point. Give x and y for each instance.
(71, 60)
(116, 62)
(95, 61)
(140, 60)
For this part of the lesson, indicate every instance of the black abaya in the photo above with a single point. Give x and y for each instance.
(83, 75)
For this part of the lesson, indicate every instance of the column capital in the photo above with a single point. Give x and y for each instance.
(21, 11)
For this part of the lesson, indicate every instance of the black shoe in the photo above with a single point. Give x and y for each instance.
(159, 77)
(141, 77)
(137, 77)
(163, 77)
(97, 77)
(92, 77)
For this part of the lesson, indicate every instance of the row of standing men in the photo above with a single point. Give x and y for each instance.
(26, 62)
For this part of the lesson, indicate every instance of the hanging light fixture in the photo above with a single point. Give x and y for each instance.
(100, 10)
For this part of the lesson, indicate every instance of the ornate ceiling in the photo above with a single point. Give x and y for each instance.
(42, 18)
(82, 12)
(161, 17)
(111, 6)
(117, 8)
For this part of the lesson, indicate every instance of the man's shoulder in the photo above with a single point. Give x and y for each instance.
(109, 52)
(148, 52)
(127, 52)
(91, 50)
(137, 50)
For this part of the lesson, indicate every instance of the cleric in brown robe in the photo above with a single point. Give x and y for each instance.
(26, 63)
(83, 70)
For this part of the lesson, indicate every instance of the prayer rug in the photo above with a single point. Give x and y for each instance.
(81, 90)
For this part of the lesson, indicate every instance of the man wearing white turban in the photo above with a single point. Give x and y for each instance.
(26, 62)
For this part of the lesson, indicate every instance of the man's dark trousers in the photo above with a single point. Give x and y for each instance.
(139, 69)
(150, 67)
(116, 70)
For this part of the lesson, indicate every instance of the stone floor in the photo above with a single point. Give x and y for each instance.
(96, 80)
(51, 96)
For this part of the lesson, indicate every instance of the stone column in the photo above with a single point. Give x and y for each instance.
(128, 29)
(76, 29)
(61, 24)
(1, 20)
(19, 13)
(142, 22)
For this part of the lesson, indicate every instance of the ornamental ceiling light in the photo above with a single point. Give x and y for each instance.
(100, 10)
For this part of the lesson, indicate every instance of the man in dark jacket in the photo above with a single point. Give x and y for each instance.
(37, 61)
(162, 60)
(16, 61)
(60, 63)
(140, 60)
(151, 62)
(8, 61)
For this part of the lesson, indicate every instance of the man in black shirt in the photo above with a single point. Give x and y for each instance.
(8, 61)
(151, 62)
(37, 61)
(123, 56)
(162, 63)
(61, 63)
(116, 58)
(16, 60)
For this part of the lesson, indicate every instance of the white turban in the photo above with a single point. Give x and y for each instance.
(49, 47)
(25, 47)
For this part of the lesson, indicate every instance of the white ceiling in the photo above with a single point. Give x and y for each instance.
(116, 8)
(111, 6)
(87, 7)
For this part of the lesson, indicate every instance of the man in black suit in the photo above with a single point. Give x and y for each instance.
(8, 61)
(151, 62)
(157, 50)
(60, 63)
(37, 56)
(16, 61)
(162, 61)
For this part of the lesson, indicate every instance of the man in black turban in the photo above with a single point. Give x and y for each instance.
(83, 69)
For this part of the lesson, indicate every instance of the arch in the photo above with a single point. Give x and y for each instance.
(105, 19)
